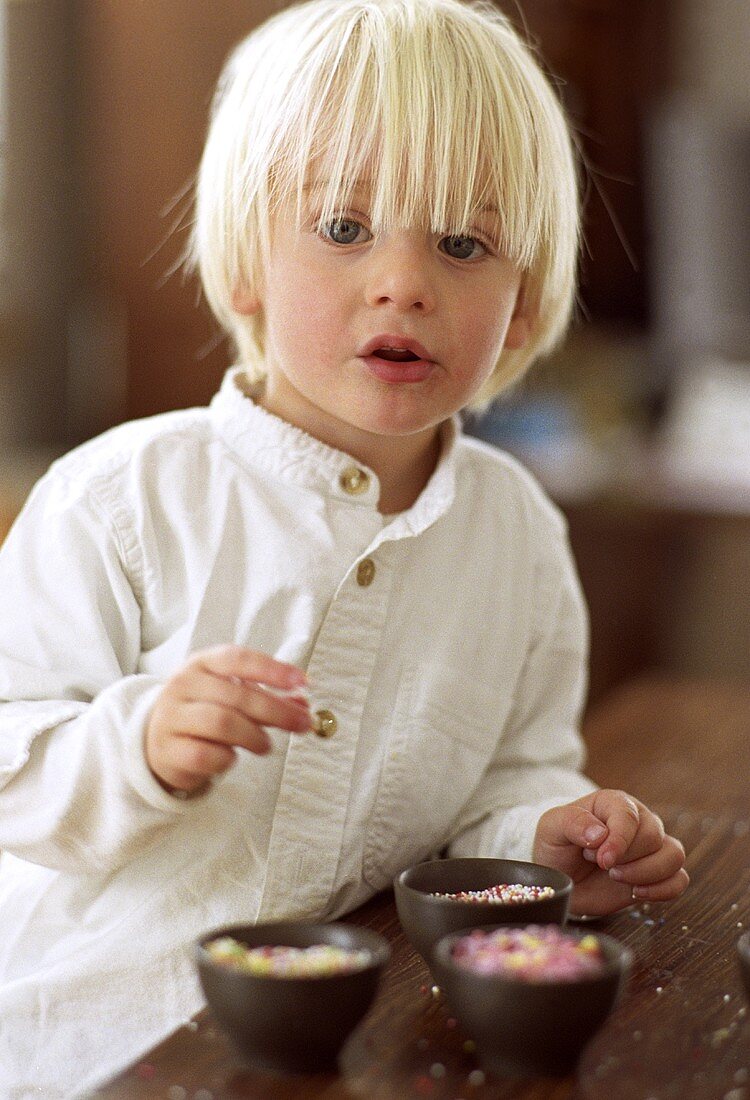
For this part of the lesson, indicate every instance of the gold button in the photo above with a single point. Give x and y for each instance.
(354, 481)
(366, 572)
(324, 723)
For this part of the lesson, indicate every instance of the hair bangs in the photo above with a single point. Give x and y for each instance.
(427, 152)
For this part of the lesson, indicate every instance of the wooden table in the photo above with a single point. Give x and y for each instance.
(681, 1030)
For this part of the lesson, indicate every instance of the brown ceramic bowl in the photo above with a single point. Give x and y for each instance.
(743, 958)
(425, 919)
(292, 1025)
(524, 1028)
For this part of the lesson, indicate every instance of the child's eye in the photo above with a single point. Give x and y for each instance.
(462, 248)
(345, 231)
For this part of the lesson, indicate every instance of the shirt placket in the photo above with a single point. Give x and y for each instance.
(308, 830)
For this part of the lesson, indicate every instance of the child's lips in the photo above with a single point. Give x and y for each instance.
(416, 370)
(397, 348)
(397, 359)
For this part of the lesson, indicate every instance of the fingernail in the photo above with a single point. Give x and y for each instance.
(297, 693)
(594, 833)
(608, 860)
(616, 874)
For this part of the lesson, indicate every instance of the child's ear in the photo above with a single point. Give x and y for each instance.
(519, 328)
(244, 301)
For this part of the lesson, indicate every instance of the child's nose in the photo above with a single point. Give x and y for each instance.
(399, 274)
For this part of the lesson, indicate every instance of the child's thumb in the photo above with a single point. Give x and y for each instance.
(572, 824)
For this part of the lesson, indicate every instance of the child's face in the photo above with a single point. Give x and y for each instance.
(388, 334)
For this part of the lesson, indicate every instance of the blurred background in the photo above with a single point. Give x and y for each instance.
(639, 426)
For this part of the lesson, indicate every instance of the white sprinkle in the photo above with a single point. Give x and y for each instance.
(203, 1094)
(740, 1077)
(476, 1078)
(726, 998)
(660, 989)
(436, 991)
(437, 1070)
(176, 1092)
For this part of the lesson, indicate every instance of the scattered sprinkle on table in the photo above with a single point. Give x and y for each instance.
(536, 953)
(320, 960)
(505, 893)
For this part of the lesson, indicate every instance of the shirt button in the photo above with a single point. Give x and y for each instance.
(365, 572)
(354, 481)
(324, 723)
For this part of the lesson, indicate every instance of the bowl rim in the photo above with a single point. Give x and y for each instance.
(564, 890)
(374, 942)
(618, 960)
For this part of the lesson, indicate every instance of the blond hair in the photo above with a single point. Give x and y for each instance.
(442, 97)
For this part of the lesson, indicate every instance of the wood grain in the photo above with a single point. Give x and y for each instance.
(680, 1031)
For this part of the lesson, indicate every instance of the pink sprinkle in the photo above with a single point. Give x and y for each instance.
(534, 953)
(423, 1085)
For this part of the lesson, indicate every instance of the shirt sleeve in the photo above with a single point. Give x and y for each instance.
(538, 760)
(76, 792)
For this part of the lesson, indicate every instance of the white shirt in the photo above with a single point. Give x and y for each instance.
(456, 678)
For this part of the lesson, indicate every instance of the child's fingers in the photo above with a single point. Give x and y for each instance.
(192, 760)
(249, 700)
(663, 864)
(666, 890)
(563, 832)
(622, 816)
(233, 661)
(221, 725)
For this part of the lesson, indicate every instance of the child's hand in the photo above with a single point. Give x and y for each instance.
(215, 704)
(615, 850)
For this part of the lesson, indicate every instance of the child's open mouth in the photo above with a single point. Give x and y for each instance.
(396, 355)
(396, 359)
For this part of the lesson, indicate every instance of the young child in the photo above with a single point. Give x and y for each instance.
(257, 658)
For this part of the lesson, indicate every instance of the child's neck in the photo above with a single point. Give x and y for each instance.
(403, 463)
(404, 472)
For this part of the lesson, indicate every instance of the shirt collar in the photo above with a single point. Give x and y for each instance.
(283, 451)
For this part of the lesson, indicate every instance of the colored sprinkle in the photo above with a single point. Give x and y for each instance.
(469, 1046)
(503, 894)
(535, 953)
(423, 1085)
(320, 960)
(437, 1070)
